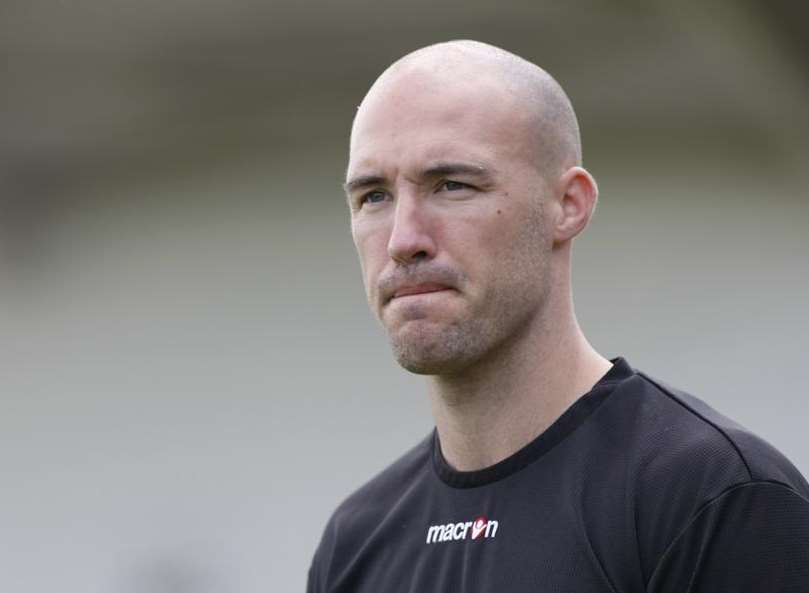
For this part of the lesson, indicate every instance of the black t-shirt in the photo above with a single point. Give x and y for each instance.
(636, 487)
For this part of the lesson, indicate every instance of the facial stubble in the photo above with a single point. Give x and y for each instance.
(511, 307)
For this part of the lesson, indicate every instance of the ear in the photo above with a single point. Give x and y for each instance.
(577, 193)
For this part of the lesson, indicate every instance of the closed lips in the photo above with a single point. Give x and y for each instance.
(419, 289)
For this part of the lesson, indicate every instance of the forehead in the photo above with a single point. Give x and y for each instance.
(419, 118)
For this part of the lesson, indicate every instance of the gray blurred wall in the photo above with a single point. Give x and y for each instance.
(191, 380)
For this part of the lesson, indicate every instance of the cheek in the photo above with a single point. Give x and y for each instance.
(371, 246)
(505, 245)
(490, 235)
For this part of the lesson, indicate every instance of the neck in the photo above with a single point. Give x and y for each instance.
(491, 411)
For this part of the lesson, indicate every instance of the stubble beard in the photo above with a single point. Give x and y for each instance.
(448, 348)
(515, 307)
(437, 350)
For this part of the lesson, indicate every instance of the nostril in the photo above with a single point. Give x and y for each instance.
(420, 255)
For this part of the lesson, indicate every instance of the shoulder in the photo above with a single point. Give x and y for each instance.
(363, 511)
(686, 457)
(665, 434)
(374, 498)
(752, 537)
(702, 436)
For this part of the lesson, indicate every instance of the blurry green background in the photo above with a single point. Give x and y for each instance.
(190, 379)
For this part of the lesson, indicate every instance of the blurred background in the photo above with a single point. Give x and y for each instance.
(190, 378)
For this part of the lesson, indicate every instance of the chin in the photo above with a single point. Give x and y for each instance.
(425, 366)
(421, 366)
(430, 353)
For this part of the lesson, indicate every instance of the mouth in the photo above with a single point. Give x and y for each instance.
(419, 289)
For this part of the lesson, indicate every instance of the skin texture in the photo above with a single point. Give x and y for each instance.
(466, 191)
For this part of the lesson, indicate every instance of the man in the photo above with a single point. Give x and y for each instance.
(551, 469)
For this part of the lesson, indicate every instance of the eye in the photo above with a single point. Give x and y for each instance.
(373, 197)
(450, 185)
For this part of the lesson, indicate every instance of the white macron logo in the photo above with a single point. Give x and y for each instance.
(480, 527)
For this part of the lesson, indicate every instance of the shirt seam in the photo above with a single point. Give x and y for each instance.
(711, 423)
(713, 501)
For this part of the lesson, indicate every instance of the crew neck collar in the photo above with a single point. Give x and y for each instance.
(571, 419)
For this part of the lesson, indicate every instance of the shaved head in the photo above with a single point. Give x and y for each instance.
(465, 186)
(550, 121)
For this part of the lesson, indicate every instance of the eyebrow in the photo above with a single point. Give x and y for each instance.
(436, 170)
(363, 181)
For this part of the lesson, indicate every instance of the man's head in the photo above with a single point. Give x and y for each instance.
(465, 188)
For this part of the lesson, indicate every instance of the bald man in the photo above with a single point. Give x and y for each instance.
(551, 468)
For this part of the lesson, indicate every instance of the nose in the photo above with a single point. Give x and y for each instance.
(410, 238)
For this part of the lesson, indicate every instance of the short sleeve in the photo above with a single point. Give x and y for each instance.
(753, 538)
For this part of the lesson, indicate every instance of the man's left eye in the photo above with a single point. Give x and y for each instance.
(453, 185)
